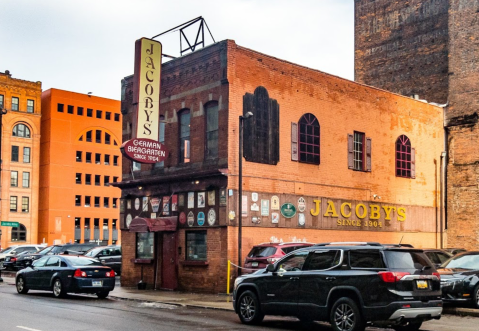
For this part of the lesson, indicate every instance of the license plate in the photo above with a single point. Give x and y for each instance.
(96, 283)
(254, 264)
(422, 284)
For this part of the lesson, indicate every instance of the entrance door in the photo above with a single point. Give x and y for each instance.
(169, 277)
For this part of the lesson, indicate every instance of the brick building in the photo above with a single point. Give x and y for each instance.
(325, 159)
(20, 158)
(430, 48)
(80, 158)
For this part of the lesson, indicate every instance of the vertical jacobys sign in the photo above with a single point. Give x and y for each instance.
(147, 89)
(144, 147)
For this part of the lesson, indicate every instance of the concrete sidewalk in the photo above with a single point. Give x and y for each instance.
(211, 301)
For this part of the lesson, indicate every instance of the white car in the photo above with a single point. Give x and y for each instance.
(17, 249)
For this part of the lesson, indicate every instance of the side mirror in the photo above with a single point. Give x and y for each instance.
(270, 268)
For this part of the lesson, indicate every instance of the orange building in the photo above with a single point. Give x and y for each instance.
(80, 158)
(20, 156)
(325, 159)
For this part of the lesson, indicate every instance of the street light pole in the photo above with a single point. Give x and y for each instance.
(240, 188)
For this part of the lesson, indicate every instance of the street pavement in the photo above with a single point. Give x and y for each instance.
(198, 300)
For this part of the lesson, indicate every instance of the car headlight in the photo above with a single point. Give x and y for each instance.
(238, 281)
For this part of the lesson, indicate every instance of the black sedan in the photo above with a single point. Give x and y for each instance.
(460, 279)
(107, 255)
(64, 274)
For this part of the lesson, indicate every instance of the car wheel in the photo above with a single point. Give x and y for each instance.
(58, 290)
(475, 297)
(410, 326)
(345, 316)
(21, 287)
(249, 310)
(103, 294)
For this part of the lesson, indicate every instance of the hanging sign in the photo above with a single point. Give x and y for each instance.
(144, 150)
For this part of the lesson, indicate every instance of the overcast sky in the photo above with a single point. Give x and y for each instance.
(88, 45)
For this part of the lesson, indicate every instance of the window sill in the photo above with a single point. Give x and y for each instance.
(194, 263)
(142, 261)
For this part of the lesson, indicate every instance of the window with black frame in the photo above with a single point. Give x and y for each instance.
(145, 245)
(196, 246)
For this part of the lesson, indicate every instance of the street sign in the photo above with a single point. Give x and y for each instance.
(13, 224)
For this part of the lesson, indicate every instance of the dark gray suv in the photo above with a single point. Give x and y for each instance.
(351, 285)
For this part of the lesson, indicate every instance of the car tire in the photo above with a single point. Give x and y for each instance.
(475, 297)
(57, 288)
(345, 316)
(410, 326)
(20, 284)
(249, 310)
(102, 294)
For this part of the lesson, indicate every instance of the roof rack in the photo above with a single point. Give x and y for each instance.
(358, 243)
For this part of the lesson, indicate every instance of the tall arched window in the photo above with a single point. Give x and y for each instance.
(211, 115)
(405, 158)
(19, 233)
(308, 139)
(184, 139)
(21, 130)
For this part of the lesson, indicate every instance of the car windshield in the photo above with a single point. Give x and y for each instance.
(45, 250)
(463, 262)
(262, 251)
(82, 261)
(93, 251)
(8, 250)
(406, 260)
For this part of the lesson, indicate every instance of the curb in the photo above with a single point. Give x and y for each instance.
(461, 311)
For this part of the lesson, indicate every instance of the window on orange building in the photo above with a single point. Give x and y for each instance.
(2, 100)
(89, 112)
(115, 160)
(13, 203)
(88, 157)
(87, 201)
(107, 159)
(60, 107)
(88, 179)
(106, 180)
(359, 152)
(26, 179)
(97, 180)
(80, 111)
(79, 156)
(30, 106)
(98, 113)
(14, 178)
(26, 154)
(405, 158)
(108, 115)
(308, 139)
(14, 157)
(98, 136)
(106, 202)
(97, 201)
(70, 109)
(115, 202)
(15, 103)
(97, 158)
(77, 200)
(25, 204)
(21, 130)
(107, 139)
(78, 178)
(88, 136)
(19, 233)
(117, 117)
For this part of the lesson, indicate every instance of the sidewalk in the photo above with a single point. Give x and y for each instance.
(210, 301)
(198, 300)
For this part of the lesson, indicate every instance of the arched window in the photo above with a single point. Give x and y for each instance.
(308, 139)
(211, 115)
(405, 158)
(184, 139)
(21, 130)
(19, 233)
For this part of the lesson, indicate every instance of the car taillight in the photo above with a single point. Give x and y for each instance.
(437, 275)
(392, 277)
(79, 274)
(272, 259)
(110, 274)
(13, 259)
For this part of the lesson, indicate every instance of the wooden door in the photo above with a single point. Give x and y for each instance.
(169, 261)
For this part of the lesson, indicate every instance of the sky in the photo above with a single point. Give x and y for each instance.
(88, 45)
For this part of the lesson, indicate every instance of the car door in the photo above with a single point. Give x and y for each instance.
(319, 275)
(280, 288)
(46, 274)
(33, 275)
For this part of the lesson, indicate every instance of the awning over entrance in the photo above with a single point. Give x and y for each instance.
(140, 224)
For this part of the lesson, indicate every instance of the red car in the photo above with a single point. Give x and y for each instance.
(268, 253)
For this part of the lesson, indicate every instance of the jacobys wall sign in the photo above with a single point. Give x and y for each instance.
(144, 147)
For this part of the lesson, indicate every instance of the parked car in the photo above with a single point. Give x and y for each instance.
(460, 279)
(64, 274)
(455, 251)
(263, 254)
(10, 260)
(16, 249)
(109, 256)
(437, 256)
(75, 249)
(349, 285)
